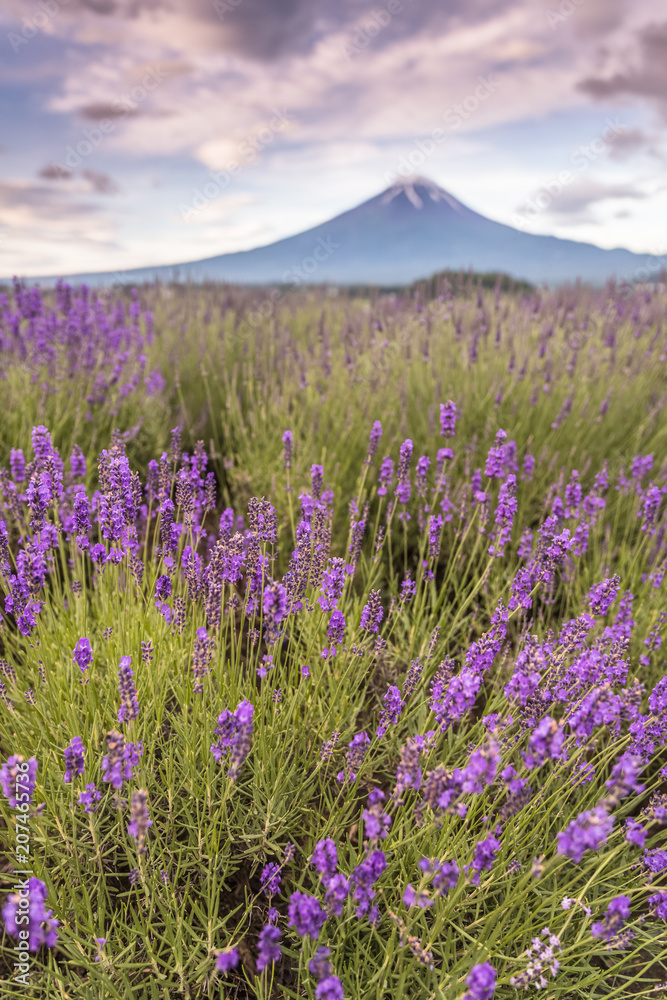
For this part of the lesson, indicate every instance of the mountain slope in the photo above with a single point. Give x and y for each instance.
(409, 231)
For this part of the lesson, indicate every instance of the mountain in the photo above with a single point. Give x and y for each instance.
(409, 231)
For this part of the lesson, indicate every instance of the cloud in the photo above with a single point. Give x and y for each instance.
(577, 201)
(54, 172)
(41, 219)
(645, 76)
(635, 141)
(100, 183)
(99, 111)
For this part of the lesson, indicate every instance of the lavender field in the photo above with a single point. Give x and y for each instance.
(332, 643)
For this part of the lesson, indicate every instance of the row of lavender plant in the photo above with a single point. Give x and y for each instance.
(236, 766)
(438, 547)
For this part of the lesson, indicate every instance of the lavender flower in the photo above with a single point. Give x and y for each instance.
(354, 757)
(288, 441)
(445, 874)
(116, 765)
(263, 519)
(589, 831)
(82, 654)
(140, 822)
(658, 905)
(654, 862)
(602, 595)
(306, 915)
(29, 900)
(329, 746)
(316, 480)
(74, 754)
(617, 913)
(227, 960)
(504, 516)
(481, 982)
(635, 833)
(545, 743)
(329, 988)
(413, 898)
(269, 947)
(320, 966)
(448, 419)
(385, 476)
(483, 858)
(333, 582)
(325, 858)
(495, 460)
(201, 657)
(435, 523)
(376, 434)
(176, 446)
(129, 704)
(372, 613)
(234, 730)
(17, 465)
(270, 879)
(393, 705)
(77, 463)
(363, 878)
(337, 891)
(89, 797)
(403, 485)
(335, 633)
(18, 778)
(541, 957)
(650, 506)
(376, 820)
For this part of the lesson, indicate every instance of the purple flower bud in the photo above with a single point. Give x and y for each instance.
(376, 434)
(270, 879)
(129, 704)
(140, 821)
(73, 755)
(372, 613)
(385, 476)
(393, 705)
(306, 915)
(18, 778)
(234, 730)
(287, 449)
(227, 960)
(448, 416)
(89, 797)
(325, 857)
(41, 926)
(617, 913)
(82, 654)
(269, 950)
(481, 982)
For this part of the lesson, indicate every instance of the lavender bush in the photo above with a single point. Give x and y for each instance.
(366, 697)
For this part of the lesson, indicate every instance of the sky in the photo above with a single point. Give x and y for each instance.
(145, 132)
